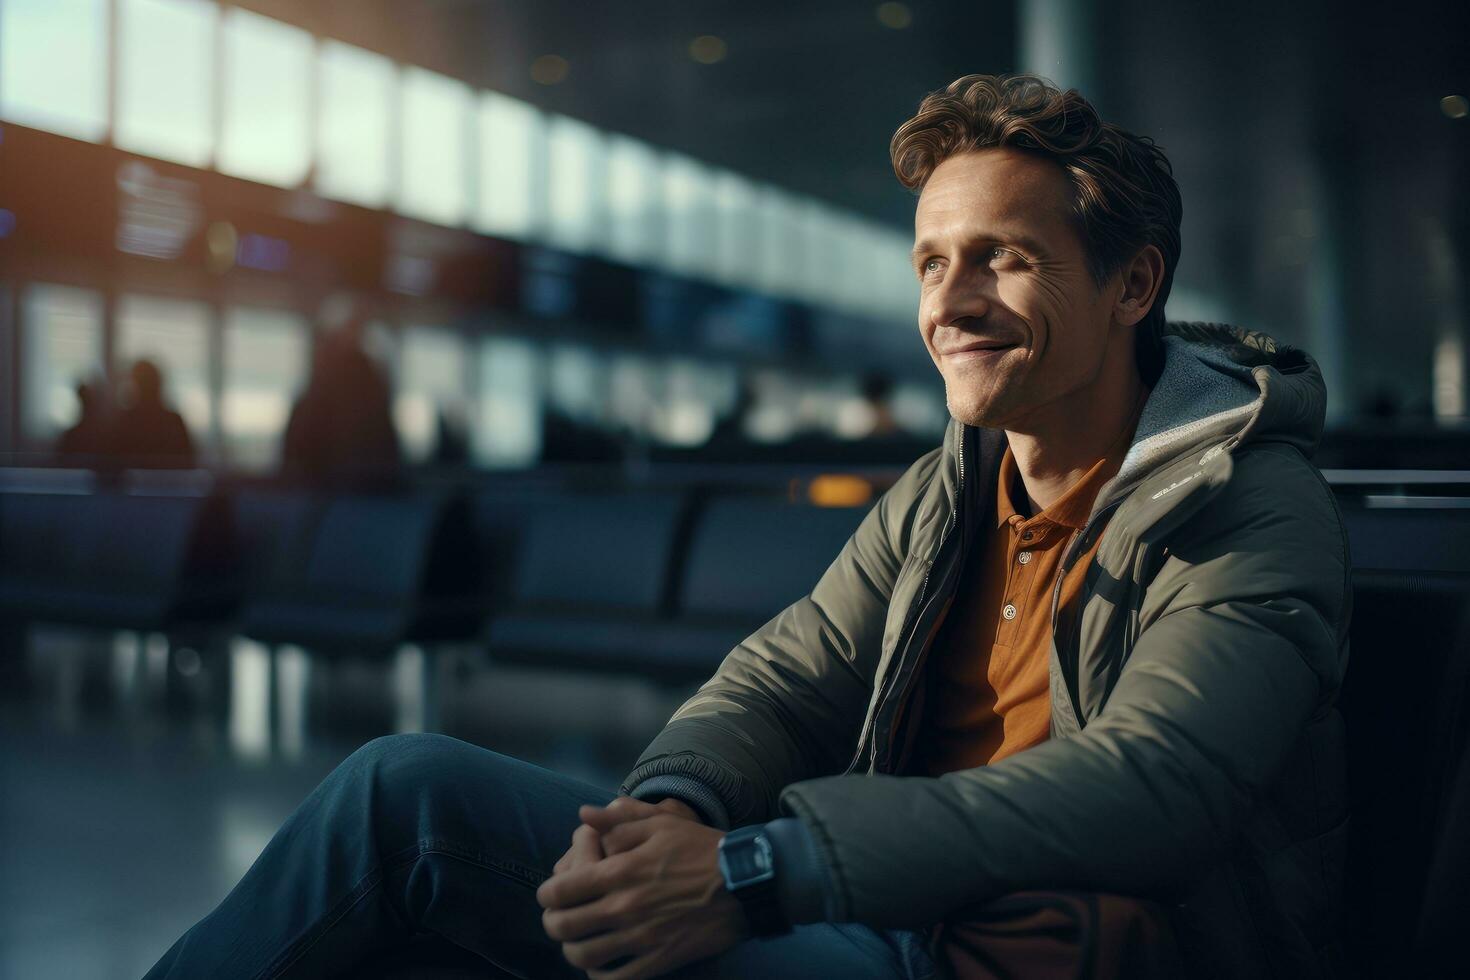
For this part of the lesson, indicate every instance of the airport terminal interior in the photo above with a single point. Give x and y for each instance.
(494, 368)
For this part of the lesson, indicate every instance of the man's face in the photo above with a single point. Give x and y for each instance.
(1007, 307)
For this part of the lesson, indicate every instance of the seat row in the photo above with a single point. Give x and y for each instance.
(662, 581)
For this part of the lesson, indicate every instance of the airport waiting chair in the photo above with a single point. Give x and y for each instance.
(749, 557)
(270, 522)
(501, 512)
(114, 560)
(591, 583)
(368, 573)
(1446, 904)
(1400, 701)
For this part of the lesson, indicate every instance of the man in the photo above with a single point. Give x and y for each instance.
(340, 432)
(86, 442)
(146, 432)
(1063, 705)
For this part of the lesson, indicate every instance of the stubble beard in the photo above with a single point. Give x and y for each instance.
(984, 407)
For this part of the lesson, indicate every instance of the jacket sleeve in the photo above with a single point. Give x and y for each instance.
(788, 702)
(1242, 640)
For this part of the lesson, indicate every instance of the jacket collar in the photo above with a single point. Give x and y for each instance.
(1219, 386)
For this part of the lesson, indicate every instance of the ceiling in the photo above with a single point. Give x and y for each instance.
(1321, 179)
(807, 96)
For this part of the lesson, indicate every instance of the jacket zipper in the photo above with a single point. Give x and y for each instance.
(922, 605)
(1117, 499)
(1143, 573)
(1056, 596)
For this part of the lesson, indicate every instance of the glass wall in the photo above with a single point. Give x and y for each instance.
(174, 334)
(508, 429)
(202, 83)
(635, 222)
(512, 151)
(355, 94)
(266, 103)
(266, 353)
(576, 178)
(433, 390)
(691, 237)
(458, 400)
(577, 380)
(434, 148)
(696, 396)
(53, 65)
(63, 347)
(737, 230)
(165, 79)
(426, 144)
(780, 267)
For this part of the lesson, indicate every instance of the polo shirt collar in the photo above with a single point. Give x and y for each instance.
(1072, 508)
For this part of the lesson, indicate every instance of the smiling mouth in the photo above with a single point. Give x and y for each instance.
(979, 351)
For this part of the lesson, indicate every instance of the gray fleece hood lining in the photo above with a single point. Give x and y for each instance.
(1207, 390)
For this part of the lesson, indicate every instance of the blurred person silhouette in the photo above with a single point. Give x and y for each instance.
(341, 428)
(86, 443)
(877, 391)
(452, 437)
(565, 439)
(146, 432)
(731, 435)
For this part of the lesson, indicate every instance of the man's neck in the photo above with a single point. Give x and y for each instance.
(1056, 447)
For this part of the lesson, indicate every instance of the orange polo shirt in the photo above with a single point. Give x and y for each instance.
(986, 692)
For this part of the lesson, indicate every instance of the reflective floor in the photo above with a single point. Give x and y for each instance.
(137, 783)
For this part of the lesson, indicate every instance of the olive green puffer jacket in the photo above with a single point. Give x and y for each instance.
(1196, 753)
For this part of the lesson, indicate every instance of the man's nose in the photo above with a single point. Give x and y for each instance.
(957, 299)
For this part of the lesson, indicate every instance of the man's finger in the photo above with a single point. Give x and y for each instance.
(620, 810)
(586, 848)
(610, 913)
(679, 808)
(626, 836)
(597, 951)
(637, 968)
(585, 883)
(586, 842)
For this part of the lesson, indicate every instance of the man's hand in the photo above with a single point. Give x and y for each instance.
(587, 845)
(675, 806)
(656, 899)
(586, 849)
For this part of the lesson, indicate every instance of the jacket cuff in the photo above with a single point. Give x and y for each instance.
(802, 885)
(688, 789)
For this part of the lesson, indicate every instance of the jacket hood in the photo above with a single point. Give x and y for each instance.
(1217, 386)
(1221, 382)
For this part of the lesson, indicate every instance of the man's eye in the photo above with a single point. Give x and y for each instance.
(995, 251)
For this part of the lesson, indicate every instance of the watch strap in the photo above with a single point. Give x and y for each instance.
(762, 907)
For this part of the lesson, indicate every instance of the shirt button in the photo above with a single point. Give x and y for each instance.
(1024, 557)
(1009, 612)
(1025, 535)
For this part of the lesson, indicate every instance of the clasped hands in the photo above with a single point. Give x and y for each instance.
(639, 892)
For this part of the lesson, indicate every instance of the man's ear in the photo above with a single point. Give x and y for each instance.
(1142, 278)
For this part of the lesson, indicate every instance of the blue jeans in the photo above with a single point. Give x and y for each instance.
(417, 834)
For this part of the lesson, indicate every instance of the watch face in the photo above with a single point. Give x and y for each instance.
(747, 861)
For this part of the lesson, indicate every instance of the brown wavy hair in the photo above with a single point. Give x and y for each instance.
(1123, 191)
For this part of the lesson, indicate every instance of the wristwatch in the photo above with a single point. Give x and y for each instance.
(747, 862)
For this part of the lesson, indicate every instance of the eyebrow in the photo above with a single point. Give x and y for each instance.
(1025, 241)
